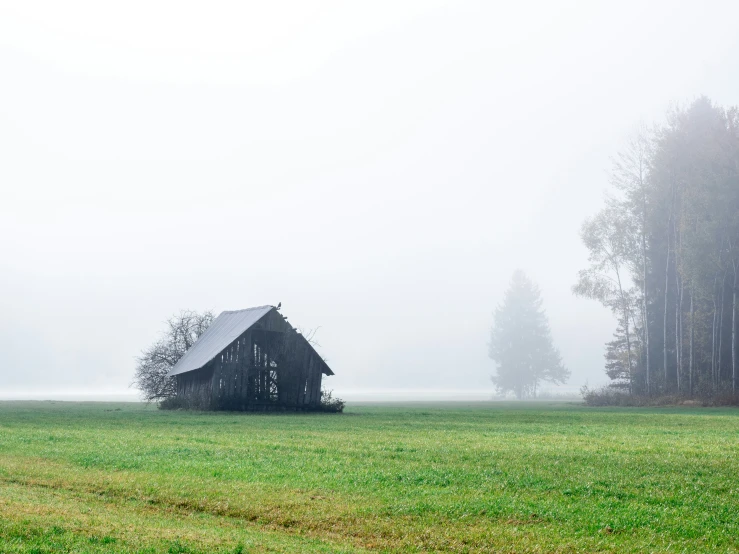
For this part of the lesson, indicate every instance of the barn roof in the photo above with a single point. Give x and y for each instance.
(225, 329)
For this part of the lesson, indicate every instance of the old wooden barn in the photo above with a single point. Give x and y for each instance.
(251, 359)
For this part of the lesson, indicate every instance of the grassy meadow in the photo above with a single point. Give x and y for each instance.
(477, 477)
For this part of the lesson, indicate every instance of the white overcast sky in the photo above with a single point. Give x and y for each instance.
(379, 167)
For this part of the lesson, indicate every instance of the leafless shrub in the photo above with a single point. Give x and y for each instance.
(613, 396)
(152, 366)
(725, 399)
(329, 403)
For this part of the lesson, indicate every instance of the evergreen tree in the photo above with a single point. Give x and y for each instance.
(521, 342)
(617, 356)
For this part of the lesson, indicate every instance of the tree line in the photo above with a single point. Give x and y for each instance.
(664, 256)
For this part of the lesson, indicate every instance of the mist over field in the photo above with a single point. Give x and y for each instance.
(380, 169)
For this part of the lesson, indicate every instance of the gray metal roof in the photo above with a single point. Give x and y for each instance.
(226, 328)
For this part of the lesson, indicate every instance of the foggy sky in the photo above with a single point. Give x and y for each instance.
(381, 168)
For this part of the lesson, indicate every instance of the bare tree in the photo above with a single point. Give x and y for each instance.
(630, 174)
(152, 366)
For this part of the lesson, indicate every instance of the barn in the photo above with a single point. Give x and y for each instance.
(251, 359)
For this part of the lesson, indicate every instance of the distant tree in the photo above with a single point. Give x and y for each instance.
(152, 366)
(521, 342)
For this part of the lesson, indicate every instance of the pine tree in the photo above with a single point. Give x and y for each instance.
(617, 361)
(521, 342)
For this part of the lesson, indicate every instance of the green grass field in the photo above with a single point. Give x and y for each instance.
(484, 477)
